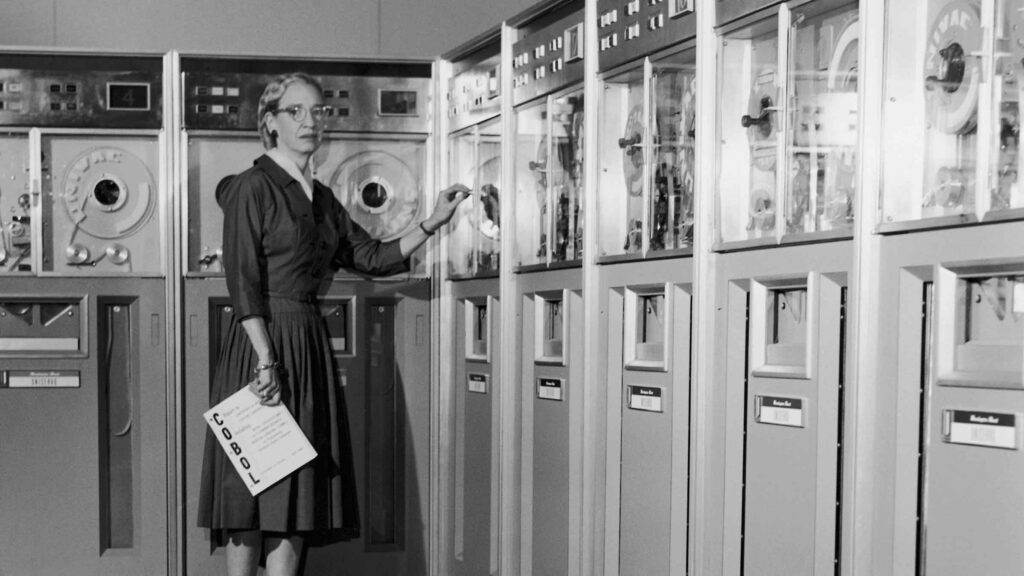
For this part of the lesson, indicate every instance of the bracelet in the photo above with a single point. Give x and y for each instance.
(425, 231)
(268, 366)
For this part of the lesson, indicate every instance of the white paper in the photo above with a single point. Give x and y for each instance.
(264, 443)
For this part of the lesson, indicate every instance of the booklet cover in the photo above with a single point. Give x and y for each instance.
(264, 443)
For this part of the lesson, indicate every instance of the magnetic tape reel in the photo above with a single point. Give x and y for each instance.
(953, 67)
(108, 196)
(380, 192)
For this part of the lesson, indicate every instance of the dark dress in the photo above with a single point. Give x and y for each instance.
(278, 249)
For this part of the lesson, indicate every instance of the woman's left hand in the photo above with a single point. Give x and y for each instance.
(444, 208)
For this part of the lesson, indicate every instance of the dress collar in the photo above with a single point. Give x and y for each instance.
(291, 169)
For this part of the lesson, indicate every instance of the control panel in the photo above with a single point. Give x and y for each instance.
(474, 89)
(223, 94)
(728, 10)
(548, 59)
(80, 91)
(628, 29)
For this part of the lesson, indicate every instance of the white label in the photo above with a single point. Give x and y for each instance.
(780, 411)
(476, 383)
(995, 430)
(549, 388)
(43, 379)
(646, 398)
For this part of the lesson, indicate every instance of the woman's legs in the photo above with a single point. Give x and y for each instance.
(283, 554)
(243, 552)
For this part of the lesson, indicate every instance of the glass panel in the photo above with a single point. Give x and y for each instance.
(567, 175)
(748, 130)
(932, 82)
(1006, 192)
(674, 91)
(461, 237)
(621, 157)
(531, 169)
(822, 154)
(487, 201)
(15, 206)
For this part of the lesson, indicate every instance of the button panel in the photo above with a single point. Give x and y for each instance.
(547, 59)
(474, 91)
(388, 97)
(66, 90)
(631, 29)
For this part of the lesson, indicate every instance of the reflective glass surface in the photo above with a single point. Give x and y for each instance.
(1004, 189)
(674, 102)
(486, 201)
(567, 176)
(622, 159)
(749, 125)
(822, 152)
(934, 82)
(532, 174)
(462, 150)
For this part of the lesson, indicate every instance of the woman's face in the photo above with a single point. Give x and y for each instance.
(298, 120)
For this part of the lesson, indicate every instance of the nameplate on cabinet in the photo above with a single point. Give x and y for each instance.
(476, 382)
(550, 389)
(645, 398)
(974, 428)
(780, 411)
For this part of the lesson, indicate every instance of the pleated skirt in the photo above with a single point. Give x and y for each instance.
(321, 496)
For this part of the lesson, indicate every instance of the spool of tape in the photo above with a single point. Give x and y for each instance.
(380, 192)
(108, 193)
(952, 67)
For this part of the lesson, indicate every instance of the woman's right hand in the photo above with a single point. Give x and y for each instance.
(267, 385)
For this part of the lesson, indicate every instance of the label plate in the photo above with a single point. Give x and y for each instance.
(646, 398)
(550, 389)
(40, 379)
(781, 411)
(477, 382)
(974, 428)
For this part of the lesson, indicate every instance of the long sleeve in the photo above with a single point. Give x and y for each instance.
(244, 261)
(358, 251)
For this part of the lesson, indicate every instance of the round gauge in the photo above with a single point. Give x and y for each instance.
(108, 193)
(952, 67)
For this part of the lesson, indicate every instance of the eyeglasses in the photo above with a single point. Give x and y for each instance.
(299, 112)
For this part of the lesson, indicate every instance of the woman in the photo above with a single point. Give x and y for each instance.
(283, 235)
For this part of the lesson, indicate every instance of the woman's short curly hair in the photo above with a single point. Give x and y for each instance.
(272, 95)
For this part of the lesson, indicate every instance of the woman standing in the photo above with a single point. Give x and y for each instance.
(284, 234)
